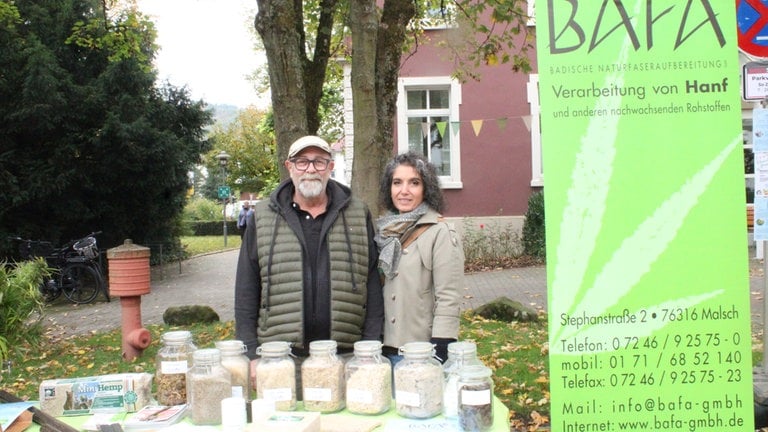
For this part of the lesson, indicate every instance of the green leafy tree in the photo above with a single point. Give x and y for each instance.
(250, 142)
(89, 142)
(300, 37)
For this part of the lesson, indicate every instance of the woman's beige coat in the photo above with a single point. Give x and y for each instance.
(422, 300)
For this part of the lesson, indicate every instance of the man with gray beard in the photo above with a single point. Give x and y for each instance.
(308, 265)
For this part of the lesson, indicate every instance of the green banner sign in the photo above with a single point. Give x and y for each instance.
(649, 317)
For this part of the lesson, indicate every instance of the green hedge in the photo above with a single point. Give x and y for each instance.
(534, 238)
(207, 228)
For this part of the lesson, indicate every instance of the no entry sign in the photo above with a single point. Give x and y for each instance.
(752, 23)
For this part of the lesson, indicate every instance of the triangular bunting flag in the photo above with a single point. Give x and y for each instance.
(527, 121)
(502, 123)
(424, 130)
(441, 128)
(477, 125)
(455, 127)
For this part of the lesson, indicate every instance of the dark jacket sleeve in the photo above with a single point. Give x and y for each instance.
(374, 319)
(248, 291)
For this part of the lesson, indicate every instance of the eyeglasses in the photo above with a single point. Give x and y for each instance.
(302, 164)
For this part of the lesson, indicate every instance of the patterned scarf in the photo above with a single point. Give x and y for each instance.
(391, 228)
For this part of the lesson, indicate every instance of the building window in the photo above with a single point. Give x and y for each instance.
(428, 122)
(534, 125)
(531, 13)
(438, 15)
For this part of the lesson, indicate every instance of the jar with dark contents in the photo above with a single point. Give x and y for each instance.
(475, 398)
(172, 362)
(460, 354)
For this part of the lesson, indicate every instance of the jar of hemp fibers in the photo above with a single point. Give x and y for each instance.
(208, 383)
(475, 398)
(322, 378)
(369, 379)
(233, 359)
(418, 381)
(172, 362)
(276, 375)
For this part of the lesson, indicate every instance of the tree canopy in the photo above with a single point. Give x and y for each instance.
(250, 142)
(88, 141)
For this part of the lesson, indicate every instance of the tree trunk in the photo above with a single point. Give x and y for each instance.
(364, 23)
(374, 138)
(276, 24)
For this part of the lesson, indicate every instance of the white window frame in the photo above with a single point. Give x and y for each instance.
(537, 164)
(433, 18)
(531, 13)
(452, 181)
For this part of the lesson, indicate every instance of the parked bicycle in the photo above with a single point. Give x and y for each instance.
(77, 268)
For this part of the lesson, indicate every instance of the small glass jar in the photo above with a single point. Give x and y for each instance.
(208, 383)
(276, 375)
(172, 362)
(369, 380)
(418, 381)
(460, 354)
(475, 398)
(233, 358)
(322, 378)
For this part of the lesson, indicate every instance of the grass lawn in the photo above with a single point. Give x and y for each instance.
(198, 245)
(517, 353)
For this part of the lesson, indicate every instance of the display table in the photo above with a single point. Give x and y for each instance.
(390, 421)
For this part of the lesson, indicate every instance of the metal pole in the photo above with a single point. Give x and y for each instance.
(224, 176)
(225, 223)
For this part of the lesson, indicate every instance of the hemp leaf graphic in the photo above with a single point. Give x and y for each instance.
(582, 217)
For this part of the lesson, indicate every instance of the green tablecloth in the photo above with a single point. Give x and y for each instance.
(500, 420)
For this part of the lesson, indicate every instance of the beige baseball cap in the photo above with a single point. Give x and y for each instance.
(308, 141)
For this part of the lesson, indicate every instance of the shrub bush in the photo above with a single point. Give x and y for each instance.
(202, 209)
(489, 245)
(209, 228)
(21, 304)
(534, 236)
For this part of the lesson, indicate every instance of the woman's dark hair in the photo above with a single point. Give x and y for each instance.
(433, 195)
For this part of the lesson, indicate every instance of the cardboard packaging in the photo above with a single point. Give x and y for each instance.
(98, 394)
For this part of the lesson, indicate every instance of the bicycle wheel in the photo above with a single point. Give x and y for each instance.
(49, 290)
(80, 283)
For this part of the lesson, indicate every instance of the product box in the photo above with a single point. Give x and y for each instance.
(98, 394)
(286, 421)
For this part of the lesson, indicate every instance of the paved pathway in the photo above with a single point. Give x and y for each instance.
(209, 280)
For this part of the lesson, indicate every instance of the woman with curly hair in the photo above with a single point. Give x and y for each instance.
(420, 257)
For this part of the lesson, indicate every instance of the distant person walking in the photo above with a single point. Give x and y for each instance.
(242, 219)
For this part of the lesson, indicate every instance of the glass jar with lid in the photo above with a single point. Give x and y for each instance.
(369, 379)
(172, 362)
(322, 378)
(233, 358)
(475, 398)
(208, 383)
(460, 354)
(276, 375)
(418, 381)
